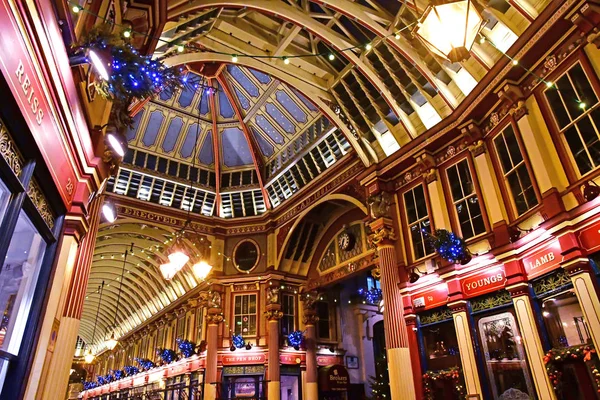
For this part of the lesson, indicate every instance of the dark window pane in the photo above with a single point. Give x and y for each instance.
(558, 109)
(464, 220)
(576, 146)
(476, 216)
(417, 241)
(465, 176)
(513, 146)
(583, 86)
(420, 199)
(409, 203)
(502, 153)
(454, 183)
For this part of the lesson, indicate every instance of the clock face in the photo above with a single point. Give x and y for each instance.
(345, 241)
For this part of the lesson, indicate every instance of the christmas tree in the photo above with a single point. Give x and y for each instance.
(380, 383)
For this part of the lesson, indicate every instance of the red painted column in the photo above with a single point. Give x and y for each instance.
(402, 384)
(413, 344)
(310, 340)
(274, 314)
(214, 317)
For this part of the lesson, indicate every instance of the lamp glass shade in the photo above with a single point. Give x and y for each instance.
(89, 357)
(202, 269)
(115, 144)
(178, 258)
(450, 29)
(109, 211)
(99, 65)
(112, 342)
(168, 271)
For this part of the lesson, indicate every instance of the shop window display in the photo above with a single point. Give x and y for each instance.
(504, 357)
(564, 320)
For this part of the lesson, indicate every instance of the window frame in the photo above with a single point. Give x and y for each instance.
(404, 219)
(455, 223)
(505, 191)
(332, 315)
(233, 314)
(294, 315)
(558, 139)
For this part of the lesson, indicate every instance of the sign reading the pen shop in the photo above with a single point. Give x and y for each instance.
(241, 359)
(483, 282)
(543, 260)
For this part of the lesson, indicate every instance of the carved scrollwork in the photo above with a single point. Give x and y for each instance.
(41, 203)
(381, 235)
(379, 204)
(9, 151)
(309, 299)
(273, 314)
(310, 319)
(214, 300)
(273, 295)
(214, 319)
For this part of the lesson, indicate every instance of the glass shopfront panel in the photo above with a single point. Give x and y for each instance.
(564, 320)
(504, 356)
(290, 387)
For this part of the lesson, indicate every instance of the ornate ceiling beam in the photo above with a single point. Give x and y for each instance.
(254, 149)
(300, 18)
(307, 90)
(216, 147)
(285, 42)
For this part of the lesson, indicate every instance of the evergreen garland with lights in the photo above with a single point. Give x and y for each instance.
(238, 341)
(118, 374)
(556, 357)
(453, 374)
(295, 339)
(372, 296)
(186, 348)
(87, 385)
(131, 75)
(167, 356)
(380, 384)
(449, 246)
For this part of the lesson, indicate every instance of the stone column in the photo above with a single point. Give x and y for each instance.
(462, 325)
(398, 354)
(273, 315)
(69, 317)
(214, 317)
(531, 340)
(310, 339)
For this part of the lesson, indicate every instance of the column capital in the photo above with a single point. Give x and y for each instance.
(214, 318)
(310, 318)
(273, 314)
(478, 148)
(309, 300)
(203, 299)
(382, 232)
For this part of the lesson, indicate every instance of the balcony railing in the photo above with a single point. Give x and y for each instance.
(178, 391)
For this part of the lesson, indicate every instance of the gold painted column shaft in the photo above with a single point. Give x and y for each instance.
(310, 319)
(396, 338)
(531, 341)
(465, 347)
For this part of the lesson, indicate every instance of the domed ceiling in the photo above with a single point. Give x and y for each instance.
(234, 132)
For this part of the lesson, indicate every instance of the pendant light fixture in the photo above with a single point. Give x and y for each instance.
(89, 356)
(112, 342)
(449, 28)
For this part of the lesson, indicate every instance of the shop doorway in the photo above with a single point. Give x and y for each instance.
(290, 383)
(246, 383)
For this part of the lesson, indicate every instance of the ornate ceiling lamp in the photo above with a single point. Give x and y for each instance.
(89, 356)
(449, 28)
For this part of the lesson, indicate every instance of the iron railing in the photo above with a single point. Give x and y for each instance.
(179, 391)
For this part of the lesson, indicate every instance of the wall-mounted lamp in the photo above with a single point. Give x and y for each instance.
(109, 211)
(415, 274)
(590, 190)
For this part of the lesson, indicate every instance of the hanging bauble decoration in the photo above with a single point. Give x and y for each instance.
(87, 385)
(145, 364)
(295, 339)
(186, 347)
(238, 341)
(167, 355)
(450, 247)
(118, 374)
(130, 370)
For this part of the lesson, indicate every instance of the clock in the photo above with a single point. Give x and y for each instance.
(346, 241)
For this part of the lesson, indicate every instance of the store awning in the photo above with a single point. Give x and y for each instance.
(333, 378)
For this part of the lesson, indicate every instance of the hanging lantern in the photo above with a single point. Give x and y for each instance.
(450, 29)
(89, 357)
(201, 270)
(177, 256)
(112, 342)
(168, 271)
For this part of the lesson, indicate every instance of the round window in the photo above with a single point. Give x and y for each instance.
(246, 255)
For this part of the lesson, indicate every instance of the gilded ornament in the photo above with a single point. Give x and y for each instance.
(376, 273)
(273, 314)
(310, 319)
(41, 203)
(214, 318)
(8, 149)
(381, 235)
(273, 295)
(379, 204)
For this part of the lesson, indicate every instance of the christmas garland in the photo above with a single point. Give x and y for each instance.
(556, 357)
(130, 370)
(145, 364)
(372, 296)
(131, 75)
(449, 246)
(453, 374)
(167, 356)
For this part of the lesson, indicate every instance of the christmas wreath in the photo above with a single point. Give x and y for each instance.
(555, 358)
(186, 348)
(452, 374)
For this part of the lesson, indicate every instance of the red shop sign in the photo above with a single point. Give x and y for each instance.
(18, 68)
(329, 360)
(484, 282)
(543, 260)
(292, 358)
(590, 237)
(434, 297)
(242, 359)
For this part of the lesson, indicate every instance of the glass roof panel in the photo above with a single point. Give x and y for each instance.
(132, 132)
(154, 124)
(172, 134)
(265, 147)
(206, 155)
(225, 107)
(303, 99)
(236, 152)
(269, 129)
(188, 143)
(262, 78)
(242, 99)
(281, 119)
(290, 105)
(243, 80)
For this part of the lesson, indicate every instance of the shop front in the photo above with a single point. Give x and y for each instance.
(243, 377)
(292, 364)
(334, 382)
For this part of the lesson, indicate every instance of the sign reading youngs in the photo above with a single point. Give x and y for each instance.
(484, 282)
